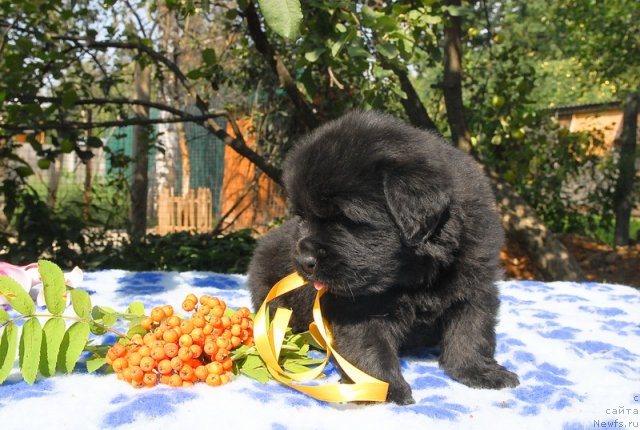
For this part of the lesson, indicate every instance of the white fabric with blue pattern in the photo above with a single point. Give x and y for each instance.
(576, 348)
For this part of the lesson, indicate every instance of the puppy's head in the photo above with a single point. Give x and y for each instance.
(366, 206)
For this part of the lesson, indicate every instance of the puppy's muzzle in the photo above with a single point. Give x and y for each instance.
(307, 256)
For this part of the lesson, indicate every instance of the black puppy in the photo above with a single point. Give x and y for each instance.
(400, 228)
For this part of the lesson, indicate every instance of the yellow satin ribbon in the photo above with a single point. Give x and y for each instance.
(269, 343)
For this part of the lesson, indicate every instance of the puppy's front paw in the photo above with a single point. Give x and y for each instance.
(493, 377)
(400, 393)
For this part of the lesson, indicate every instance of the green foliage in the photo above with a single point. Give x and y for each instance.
(283, 16)
(182, 251)
(294, 357)
(45, 349)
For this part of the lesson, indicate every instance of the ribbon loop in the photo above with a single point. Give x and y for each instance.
(269, 339)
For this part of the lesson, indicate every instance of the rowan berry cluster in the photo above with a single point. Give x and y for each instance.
(181, 351)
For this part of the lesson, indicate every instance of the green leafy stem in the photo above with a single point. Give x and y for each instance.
(52, 347)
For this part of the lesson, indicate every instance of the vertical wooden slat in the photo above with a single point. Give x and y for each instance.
(190, 212)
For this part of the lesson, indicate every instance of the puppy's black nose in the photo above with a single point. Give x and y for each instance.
(306, 257)
(308, 263)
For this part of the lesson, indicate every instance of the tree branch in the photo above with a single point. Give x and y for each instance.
(83, 125)
(306, 113)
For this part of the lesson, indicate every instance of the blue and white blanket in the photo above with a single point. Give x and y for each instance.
(576, 348)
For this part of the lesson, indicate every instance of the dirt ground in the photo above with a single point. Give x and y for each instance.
(599, 262)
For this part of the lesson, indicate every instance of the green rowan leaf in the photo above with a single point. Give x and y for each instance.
(16, 296)
(30, 348)
(81, 303)
(53, 285)
(95, 363)
(8, 346)
(282, 16)
(73, 342)
(53, 330)
(136, 329)
(260, 374)
(136, 308)
(4, 316)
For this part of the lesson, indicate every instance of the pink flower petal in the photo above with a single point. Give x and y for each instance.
(74, 278)
(17, 274)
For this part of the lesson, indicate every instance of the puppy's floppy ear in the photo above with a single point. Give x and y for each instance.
(417, 206)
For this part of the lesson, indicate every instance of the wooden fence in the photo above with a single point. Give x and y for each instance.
(192, 212)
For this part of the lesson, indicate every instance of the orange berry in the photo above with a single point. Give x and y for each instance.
(244, 312)
(207, 329)
(196, 351)
(222, 342)
(146, 323)
(187, 384)
(197, 336)
(244, 324)
(150, 379)
(136, 339)
(157, 353)
(168, 310)
(185, 353)
(118, 350)
(171, 349)
(134, 359)
(120, 364)
(164, 379)
(227, 364)
(221, 355)
(157, 314)
(173, 321)
(215, 368)
(215, 322)
(198, 321)
(192, 297)
(185, 340)
(214, 301)
(201, 372)
(236, 341)
(136, 373)
(125, 374)
(170, 336)
(175, 381)
(186, 326)
(210, 348)
(236, 318)
(137, 384)
(176, 363)
(188, 305)
(145, 351)
(186, 373)
(204, 310)
(147, 364)
(236, 330)
(226, 321)
(149, 338)
(213, 379)
(225, 378)
(164, 367)
(217, 311)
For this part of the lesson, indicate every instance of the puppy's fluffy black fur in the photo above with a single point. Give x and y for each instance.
(401, 228)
